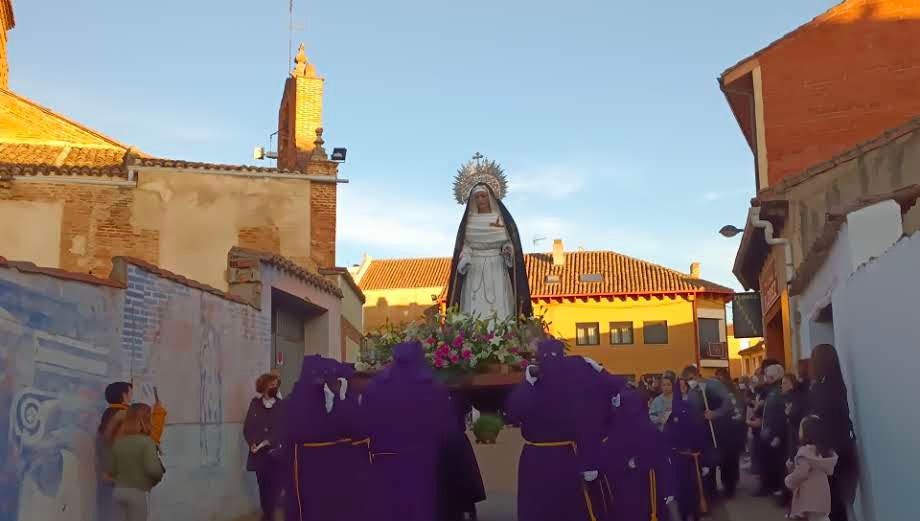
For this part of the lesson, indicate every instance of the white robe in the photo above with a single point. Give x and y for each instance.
(487, 289)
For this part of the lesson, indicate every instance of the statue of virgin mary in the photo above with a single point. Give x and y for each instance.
(487, 275)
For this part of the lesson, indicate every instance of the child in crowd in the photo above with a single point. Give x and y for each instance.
(808, 480)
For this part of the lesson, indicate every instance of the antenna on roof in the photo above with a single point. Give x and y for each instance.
(292, 26)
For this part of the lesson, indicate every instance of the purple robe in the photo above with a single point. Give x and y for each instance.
(315, 447)
(353, 471)
(635, 452)
(557, 421)
(685, 432)
(461, 480)
(407, 416)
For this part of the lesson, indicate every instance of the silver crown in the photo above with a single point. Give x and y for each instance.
(479, 171)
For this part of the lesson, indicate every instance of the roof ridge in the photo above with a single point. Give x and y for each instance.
(55, 114)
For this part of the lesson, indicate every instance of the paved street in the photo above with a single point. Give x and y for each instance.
(498, 464)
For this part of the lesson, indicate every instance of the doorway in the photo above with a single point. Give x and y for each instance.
(299, 328)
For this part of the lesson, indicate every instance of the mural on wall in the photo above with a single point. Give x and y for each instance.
(56, 356)
(62, 342)
(209, 359)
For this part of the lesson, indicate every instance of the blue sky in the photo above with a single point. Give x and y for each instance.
(605, 114)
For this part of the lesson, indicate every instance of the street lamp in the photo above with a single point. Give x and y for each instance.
(730, 231)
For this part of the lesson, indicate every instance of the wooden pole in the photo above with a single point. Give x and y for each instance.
(712, 430)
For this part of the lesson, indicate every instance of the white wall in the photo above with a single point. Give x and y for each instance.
(878, 338)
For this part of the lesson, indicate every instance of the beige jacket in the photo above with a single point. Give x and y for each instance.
(809, 481)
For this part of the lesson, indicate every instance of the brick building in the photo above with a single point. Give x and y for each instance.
(73, 198)
(635, 317)
(842, 83)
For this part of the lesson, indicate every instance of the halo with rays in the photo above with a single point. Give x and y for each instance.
(487, 172)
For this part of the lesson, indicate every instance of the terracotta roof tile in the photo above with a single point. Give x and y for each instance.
(238, 254)
(621, 275)
(195, 165)
(61, 159)
(343, 272)
(166, 274)
(406, 273)
(30, 268)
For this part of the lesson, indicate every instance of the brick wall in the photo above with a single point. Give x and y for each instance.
(96, 224)
(262, 238)
(844, 79)
(322, 223)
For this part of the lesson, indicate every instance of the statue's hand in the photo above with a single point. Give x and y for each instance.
(463, 265)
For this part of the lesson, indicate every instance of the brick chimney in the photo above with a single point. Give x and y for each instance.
(7, 22)
(300, 147)
(695, 270)
(558, 253)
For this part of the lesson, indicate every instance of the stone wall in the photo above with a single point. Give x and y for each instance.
(893, 165)
(64, 336)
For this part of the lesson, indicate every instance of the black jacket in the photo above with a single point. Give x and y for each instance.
(261, 424)
(828, 401)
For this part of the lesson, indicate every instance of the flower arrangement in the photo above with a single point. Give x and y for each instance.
(457, 343)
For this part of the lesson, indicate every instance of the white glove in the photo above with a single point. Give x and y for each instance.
(632, 463)
(463, 265)
(343, 388)
(615, 401)
(705, 472)
(775, 443)
(330, 398)
(589, 476)
(531, 379)
(597, 367)
(668, 500)
(474, 415)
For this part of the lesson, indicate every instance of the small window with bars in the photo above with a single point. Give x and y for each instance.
(551, 279)
(591, 277)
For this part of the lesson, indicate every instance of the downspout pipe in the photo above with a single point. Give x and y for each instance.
(767, 226)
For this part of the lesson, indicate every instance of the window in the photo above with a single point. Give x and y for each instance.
(587, 334)
(591, 277)
(655, 332)
(552, 279)
(711, 346)
(621, 333)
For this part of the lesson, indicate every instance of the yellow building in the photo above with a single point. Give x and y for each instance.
(634, 317)
(736, 346)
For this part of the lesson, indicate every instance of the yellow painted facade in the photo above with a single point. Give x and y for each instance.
(397, 306)
(735, 346)
(640, 357)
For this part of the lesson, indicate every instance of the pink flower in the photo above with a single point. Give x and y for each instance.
(466, 353)
(459, 340)
(454, 357)
(523, 363)
(514, 349)
(438, 362)
(442, 350)
(431, 341)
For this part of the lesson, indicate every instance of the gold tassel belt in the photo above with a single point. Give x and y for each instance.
(584, 486)
(704, 506)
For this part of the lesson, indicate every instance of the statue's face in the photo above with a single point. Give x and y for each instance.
(482, 202)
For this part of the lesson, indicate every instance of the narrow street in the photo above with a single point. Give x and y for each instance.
(498, 464)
